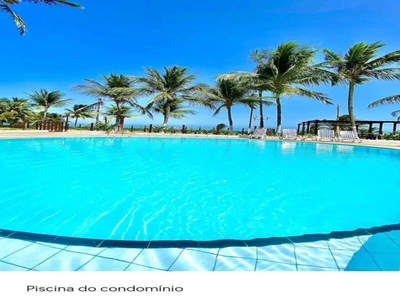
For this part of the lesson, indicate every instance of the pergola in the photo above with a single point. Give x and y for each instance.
(304, 127)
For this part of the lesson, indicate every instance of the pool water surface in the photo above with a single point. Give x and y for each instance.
(194, 189)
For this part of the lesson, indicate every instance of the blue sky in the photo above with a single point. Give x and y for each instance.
(64, 45)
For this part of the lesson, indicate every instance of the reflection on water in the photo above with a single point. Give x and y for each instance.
(346, 149)
(323, 148)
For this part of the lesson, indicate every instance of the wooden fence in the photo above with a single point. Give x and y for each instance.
(50, 126)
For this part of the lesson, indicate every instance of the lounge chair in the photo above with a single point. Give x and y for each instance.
(348, 136)
(289, 134)
(326, 134)
(259, 133)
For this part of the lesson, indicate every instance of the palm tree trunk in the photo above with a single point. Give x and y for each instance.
(250, 119)
(76, 121)
(230, 118)
(118, 118)
(351, 109)
(98, 112)
(121, 124)
(167, 110)
(66, 122)
(278, 114)
(45, 114)
(261, 110)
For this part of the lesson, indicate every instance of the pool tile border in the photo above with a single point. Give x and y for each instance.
(259, 242)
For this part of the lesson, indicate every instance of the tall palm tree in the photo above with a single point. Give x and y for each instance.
(258, 84)
(252, 107)
(282, 72)
(173, 86)
(254, 82)
(119, 89)
(5, 5)
(395, 99)
(226, 94)
(360, 64)
(79, 111)
(98, 104)
(45, 99)
(284, 69)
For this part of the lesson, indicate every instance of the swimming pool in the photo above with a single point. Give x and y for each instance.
(194, 189)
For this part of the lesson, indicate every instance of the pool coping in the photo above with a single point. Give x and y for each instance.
(222, 243)
(6, 135)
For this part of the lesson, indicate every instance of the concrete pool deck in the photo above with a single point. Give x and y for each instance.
(373, 252)
(82, 133)
(379, 252)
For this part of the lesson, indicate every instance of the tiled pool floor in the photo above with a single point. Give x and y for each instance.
(379, 252)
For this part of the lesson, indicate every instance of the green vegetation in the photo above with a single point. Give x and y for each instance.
(395, 99)
(225, 94)
(287, 70)
(359, 65)
(120, 89)
(45, 99)
(82, 111)
(282, 72)
(169, 90)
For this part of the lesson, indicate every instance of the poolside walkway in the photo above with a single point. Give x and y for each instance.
(85, 133)
(379, 252)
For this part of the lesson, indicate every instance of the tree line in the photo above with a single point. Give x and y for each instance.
(288, 70)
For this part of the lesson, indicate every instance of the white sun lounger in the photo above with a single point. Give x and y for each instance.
(259, 133)
(326, 134)
(348, 136)
(289, 134)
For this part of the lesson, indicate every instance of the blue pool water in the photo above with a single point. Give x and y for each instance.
(193, 188)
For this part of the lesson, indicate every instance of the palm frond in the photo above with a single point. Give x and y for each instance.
(53, 2)
(218, 110)
(392, 57)
(396, 113)
(395, 99)
(383, 74)
(308, 93)
(16, 18)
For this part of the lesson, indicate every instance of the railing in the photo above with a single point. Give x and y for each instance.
(50, 126)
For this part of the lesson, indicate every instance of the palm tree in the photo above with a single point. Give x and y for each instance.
(359, 65)
(254, 82)
(176, 110)
(15, 111)
(174, 86)
(219, 127)
(227, 93)
(120, 113)
(44, 99)
(258, 84)
(98, 106)
(116, 88)
(285, 69)
(79, 111)
(252, 107)
(395, 99)
(5, 5)
(282, 72)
